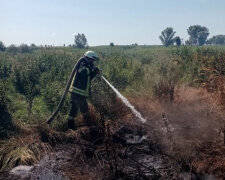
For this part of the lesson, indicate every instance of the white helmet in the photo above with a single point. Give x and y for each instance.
(92, 55)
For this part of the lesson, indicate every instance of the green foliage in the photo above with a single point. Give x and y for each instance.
(217, 40)
(5, 68)
(2, 46)
(32, 45)
(23, 48)
(103, 105)
(5, 116)
(27, 81)
(40, 76)
(166, 36)
(5, 103)
(111, 44)
(165, 75)
(177, 40)
(198, 35)
(51, 95)
(80, 41)
(123, 72)
(12, 49)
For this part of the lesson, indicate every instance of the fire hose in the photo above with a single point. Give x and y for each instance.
(64, 94)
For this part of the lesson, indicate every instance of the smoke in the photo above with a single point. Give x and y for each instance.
(192, 118)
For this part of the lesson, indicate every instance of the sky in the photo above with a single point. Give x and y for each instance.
(123, 22)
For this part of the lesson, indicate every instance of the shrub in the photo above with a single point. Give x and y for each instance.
(51, 95)
(27, 82)
(5, 116)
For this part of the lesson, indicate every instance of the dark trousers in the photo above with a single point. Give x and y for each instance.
(79, 102)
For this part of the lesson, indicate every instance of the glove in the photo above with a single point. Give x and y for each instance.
(96, 70)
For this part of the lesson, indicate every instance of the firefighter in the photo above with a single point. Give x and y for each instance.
(80, 89)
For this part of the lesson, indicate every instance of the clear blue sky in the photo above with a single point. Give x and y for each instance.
(104, 21)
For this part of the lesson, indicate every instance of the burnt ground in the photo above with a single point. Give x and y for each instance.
(125, 154)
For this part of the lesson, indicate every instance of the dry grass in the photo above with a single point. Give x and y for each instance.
(31, 144)
(190, 129)
(210, 159)
(25, 149)
(215, 84)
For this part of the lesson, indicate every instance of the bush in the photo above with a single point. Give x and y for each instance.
(166, 75)
(5, 117)
(51, 95)
(27, 82)
(123, 72)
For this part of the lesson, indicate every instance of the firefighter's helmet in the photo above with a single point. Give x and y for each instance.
(92, 55)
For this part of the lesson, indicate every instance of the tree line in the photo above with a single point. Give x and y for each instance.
(197, 36)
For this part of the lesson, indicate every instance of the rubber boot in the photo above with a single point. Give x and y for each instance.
(71, 125)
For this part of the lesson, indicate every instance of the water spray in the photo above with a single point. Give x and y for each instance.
(126, 102)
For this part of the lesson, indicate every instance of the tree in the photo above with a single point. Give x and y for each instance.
(177, 40)
(167, 36)
(27, 82)
(12, 49)
(2, 46)
(111, 44)
(33, 45)
(80, 41)
(23, 48)
(216, 40)
(198, 35)
(135, 44)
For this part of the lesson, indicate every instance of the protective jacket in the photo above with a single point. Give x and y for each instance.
(81, 83)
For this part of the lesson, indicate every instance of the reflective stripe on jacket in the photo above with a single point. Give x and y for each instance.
(82, 80)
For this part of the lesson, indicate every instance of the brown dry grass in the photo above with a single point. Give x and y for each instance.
(210, 159)
(215, 84)
(31, 144)
(190, 129)
(26, 148)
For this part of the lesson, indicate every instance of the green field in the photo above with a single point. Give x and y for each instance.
(39, 77)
